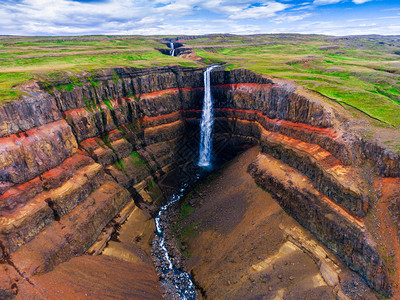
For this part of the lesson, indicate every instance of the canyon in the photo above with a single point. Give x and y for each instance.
(240, 244)
(80, 157)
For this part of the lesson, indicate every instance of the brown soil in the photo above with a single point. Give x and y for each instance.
(124, 270)
(99, 277)
(384, 224)
(242, 245)
(191, 55)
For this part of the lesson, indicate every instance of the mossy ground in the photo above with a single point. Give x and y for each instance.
(50, 58)
(359, 72)
(362, 72)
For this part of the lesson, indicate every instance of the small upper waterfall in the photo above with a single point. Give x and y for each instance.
(172, 52)
(207, 121)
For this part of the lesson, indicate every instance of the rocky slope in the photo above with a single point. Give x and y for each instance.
(240, 244)
(79, 150)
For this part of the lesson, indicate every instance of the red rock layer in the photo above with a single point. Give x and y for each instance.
(134, 126)
(328, 221)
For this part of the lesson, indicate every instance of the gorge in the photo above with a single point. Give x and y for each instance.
(81, 157)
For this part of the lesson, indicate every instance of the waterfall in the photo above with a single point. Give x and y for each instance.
(207, 121)
(172, 52)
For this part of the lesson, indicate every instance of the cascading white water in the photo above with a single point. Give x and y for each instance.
(207, 122)
(180, 280)
(172, 52)
(171, 276)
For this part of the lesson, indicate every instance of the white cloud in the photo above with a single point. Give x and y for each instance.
(291, 18)
(360, 1)
(177, 9)
(391, 9)
(356, 20)
(149, 20)
(265, 10)
(325, 2)
(389, 17)
(34, 17)
(68, 17)
(338, 29)
(304, 7)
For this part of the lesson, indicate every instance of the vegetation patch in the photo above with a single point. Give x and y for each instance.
(361, 72)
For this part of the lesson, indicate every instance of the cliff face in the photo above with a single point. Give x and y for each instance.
(75, 153)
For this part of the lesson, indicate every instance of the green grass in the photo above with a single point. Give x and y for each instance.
(137, 159)
(354, 76)
(47, 58)
(363, 73)
(186, 210)
(120, 165)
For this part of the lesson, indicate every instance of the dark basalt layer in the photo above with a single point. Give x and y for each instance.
(130, 128)
(336, 228)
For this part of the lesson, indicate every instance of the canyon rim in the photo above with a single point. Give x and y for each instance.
(192, 173)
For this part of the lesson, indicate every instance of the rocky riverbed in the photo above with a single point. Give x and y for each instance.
(237, 242)
(176, 283)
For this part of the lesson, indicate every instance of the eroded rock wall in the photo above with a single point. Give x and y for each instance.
(78, 150)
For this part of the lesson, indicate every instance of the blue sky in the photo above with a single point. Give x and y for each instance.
(176, 17)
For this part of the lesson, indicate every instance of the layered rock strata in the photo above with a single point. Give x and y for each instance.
(77, 151)
(327, 220)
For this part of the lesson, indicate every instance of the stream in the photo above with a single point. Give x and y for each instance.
(177, 283)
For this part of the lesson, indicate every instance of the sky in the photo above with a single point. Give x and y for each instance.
(193, 17)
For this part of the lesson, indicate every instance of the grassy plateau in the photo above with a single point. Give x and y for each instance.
(361, 72)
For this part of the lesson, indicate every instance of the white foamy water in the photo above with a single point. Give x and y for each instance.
(172, 52)
(181, 280)
(207, 122)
